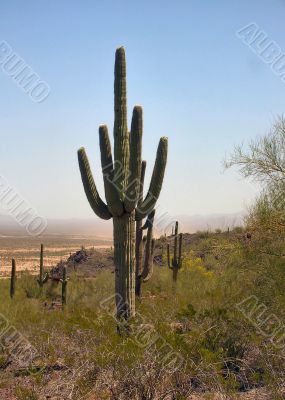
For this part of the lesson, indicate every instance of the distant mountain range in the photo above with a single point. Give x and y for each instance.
(194, 223)
(103, 229)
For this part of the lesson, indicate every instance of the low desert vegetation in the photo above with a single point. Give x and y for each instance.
(209, 318)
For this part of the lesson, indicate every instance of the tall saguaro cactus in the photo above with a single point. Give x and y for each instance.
(176, 262)
(43, 277)
(122, 186)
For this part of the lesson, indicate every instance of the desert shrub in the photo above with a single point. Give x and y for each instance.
(203, 234)
(30, 286)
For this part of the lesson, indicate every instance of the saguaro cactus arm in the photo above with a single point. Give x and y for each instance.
(139, 235)
(149, 221)
(180, 250)
(155, 186)
(95, 201)
(148, 262)
(114, 203)
(133, 179)
(175, 261)
(143, 168)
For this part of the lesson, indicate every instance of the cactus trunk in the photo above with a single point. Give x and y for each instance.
(124, 259)
(175, 274)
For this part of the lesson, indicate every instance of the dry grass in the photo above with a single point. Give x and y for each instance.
(79, 349)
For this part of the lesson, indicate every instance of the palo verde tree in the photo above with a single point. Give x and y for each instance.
(122, 186)
(263, 160)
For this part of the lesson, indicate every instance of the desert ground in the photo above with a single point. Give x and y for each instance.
(26, 250)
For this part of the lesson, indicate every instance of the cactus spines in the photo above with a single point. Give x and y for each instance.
(122, 177)
(43, 277)
(176, 262)
(13, 279)
(156, 181)
(95, 201)
(63, 281)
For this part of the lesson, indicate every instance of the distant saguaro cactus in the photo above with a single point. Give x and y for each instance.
(13, 279)
(64, 281)
(122, 186)
(176, 262)
(43, 277)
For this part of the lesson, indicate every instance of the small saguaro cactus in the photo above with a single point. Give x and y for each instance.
(176, 262)
(122, 186)
(63, 281)
(144, 252)
(13, 279)
(43, 277)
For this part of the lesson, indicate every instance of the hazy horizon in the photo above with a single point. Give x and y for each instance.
(95, 227)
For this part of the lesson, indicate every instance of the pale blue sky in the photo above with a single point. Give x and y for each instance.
(197, 82)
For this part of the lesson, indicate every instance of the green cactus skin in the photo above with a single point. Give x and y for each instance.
(149, 249)
(63, 281)
(176, 262)
(43, 277)
(122, 186)
(13, 279)
(145, 260)
(148, 263)
(139, 235)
